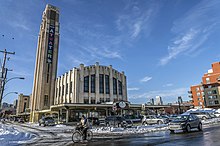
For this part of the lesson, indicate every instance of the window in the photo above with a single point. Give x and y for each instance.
(114, 86)
(211, 102)
(216, 102)
(107, 90)
(71, 86)
(120, 87)
(92, 83)
(46, 100)
(107, 99)
(207, 80)
(62, 90)
(201, 88)
(198, 94)
(101, 83)
(209, 92)
(197, 89)
(92, 101)
(86, 84)
(214, 96)
(102, 100)
(86, 100)
(25, 104)
(214, 92)
(59, 91)
(66, 88)
(210, 97)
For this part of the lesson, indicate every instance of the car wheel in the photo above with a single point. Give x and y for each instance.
(159, 122)
(171, 131)
(144, 123)
(188, 128)
(200, 126)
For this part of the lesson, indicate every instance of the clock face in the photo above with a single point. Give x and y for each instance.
(122, 104)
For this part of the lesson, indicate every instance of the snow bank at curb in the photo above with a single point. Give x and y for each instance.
(9, 135)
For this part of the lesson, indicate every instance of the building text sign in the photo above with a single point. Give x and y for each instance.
(50, 44)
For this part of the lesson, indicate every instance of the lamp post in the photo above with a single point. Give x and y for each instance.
(9, 93)
(4, 81)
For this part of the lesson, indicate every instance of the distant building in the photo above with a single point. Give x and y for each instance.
(152, 101)
(197, 93)
(159, 100)
(207, 94)
(23, 104)
(15, 104)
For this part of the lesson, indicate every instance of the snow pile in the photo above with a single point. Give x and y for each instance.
(10, 136)
(211, 121)
(133, 130)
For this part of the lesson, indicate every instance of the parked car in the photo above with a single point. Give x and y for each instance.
(21, 120)
(46, 121)
(118, 121)
(201, 115)
(133, 118)
(185, 122)
(153, 119)
(94, 121)
(172, 117)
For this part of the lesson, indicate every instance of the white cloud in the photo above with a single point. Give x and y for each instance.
(192, 30)
(133, 89)
(137, 19)
(146, 79)
(168, 85)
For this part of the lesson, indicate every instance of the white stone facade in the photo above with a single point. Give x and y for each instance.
(91, 85)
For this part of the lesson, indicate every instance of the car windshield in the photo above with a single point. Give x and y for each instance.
(182, 117)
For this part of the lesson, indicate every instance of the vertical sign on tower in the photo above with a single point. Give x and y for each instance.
(50, 44)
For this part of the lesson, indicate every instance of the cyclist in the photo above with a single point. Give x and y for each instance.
(83, 126)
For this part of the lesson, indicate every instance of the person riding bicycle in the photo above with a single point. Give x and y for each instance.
(83, 126)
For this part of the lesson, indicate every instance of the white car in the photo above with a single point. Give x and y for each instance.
(153, 119)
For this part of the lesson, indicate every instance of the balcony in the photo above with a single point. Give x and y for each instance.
(190, 96)
(190, 92)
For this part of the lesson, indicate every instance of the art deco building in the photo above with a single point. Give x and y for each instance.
(91, 85)
(46, 62)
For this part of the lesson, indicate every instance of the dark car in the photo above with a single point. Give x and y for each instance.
(118, 121)
(47, 121)
(185, 122)
(21, 120)
(94, 121)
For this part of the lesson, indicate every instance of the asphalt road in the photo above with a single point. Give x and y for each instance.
(210, 136)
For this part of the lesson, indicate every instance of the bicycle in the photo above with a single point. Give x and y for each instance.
(77, 135)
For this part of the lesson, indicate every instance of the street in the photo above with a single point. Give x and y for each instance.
(208, 137)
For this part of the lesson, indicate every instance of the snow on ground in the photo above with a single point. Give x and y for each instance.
(11, 136)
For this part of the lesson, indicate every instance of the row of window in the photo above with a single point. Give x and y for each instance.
(213, 102)
(103, 80)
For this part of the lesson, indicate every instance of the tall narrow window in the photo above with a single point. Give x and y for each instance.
(114, 86)
(101, 83)
(25, 104)
(92, 83)
(71, 86)
(66, 88)
(120, 87)
(107, 90)
(62, 90)
(86, 84)
(59, 91)
(46, 100)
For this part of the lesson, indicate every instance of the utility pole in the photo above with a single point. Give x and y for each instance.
(3, 76)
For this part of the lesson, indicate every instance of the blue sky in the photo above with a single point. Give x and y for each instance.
(164, 46)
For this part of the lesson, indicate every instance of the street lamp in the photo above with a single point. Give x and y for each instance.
(9, 93)
(4, 81)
